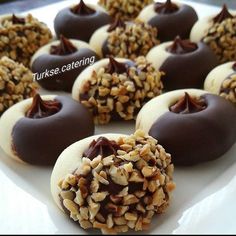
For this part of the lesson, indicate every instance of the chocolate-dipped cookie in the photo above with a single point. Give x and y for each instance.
(16, 83)
(57, 64)
(222, 81)
(185, 64)
(22, 36)
(125, 9)
(115, 89)
(113, 182)
(80, 21)
(219, 32)
(193, 125)
(124, 39)
(37, 130)
(170, 19)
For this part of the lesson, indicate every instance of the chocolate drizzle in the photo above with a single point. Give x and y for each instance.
(180, 46)
(116, 67)
(17, 20)
(82, 9)
(65, 47)
(115, 24)
(165, 8)
(41, 109)
(223, 15)
(188, 105)
(102, 146)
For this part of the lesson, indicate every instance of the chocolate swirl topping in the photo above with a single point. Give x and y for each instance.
(115, 24)
(234, 66)
(41, 109)
(17, 20)
(180, 46)
(165, 8)
(82, 9)
(188, 105)
(116, 67)
(103, 147)
(223, 15)
(65, 47)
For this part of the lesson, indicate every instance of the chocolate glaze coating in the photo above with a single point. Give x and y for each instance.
(79, 26)
(188, 70)
(177, 23)
(40, 141)
(64, 80)
(197, 137)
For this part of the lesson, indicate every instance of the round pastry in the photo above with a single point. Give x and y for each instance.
(80, 21)
(219, 32)
(115, 89)
(16, 83)
(222, 81)
(170, 19)
(125, 9)
(193, 125)
(113, 182)
(57, 64)
(124, 39)
(185, 64)
(37, 130)
(21, 37)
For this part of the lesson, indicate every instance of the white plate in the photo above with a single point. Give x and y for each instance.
(204, 201)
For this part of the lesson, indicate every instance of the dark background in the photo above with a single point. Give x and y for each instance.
(7, 6)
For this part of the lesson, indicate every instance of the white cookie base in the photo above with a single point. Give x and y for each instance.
(156, 107)
(87, 73)
(70, 159)
(98, 38)
(8, 120)
(216, 77)
(158, 55)
(46, 48)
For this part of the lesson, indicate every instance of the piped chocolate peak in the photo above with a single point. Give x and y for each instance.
(165, 8)
(116, 67)
(17, 20)
(180, 46)
(115, 24)
(188, 105)
(234, 66)
(41, 109)
(65, 47)
(223, 15)
(103, 147)
(82, 9)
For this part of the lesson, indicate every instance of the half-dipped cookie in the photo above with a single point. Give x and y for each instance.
(124, 39)
(37, 130)
(116, 89)
(113, 182)
(80, 21)
(219, 32)
(193, 125)
(222, 81)
(57, 64)
(22, 36)
(185, 64)
(170, 19)
(125, 9)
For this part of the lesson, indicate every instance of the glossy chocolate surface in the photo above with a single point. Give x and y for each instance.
(166, 7)
(78, 26)
(116, 67)
(180, 46)
(197, 137)
(188, 104)
(41, 109)
(82, 9)
(41, 141)
(179, 23)
(223, 15)
(62, 80)
(116, 23)
(188, 70)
